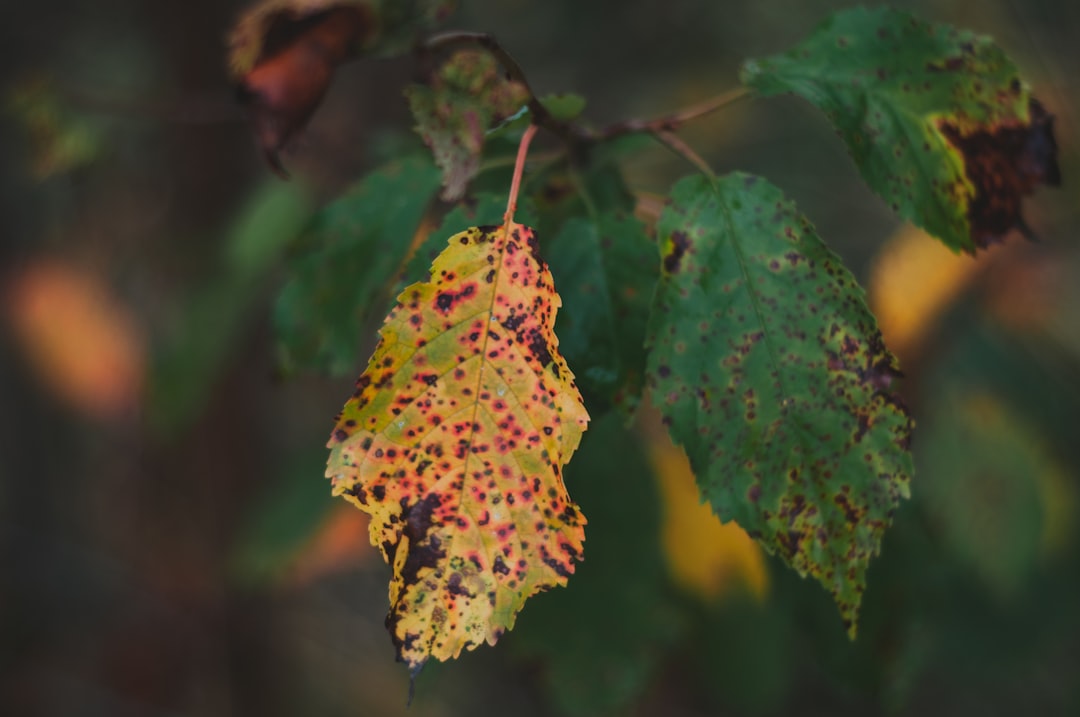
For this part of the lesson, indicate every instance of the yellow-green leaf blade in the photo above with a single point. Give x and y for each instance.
(454, 442)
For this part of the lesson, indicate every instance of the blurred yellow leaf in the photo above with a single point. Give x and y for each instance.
(913, 279)
(706, 557)
(83, 344)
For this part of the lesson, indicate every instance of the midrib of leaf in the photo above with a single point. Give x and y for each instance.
(784, 415)
(484, 362)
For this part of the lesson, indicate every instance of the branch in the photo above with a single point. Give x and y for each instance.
(576, 137)
(670, 123)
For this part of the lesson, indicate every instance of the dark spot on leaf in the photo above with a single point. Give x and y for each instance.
(1004, 164)
(499, 566)
(679, 244)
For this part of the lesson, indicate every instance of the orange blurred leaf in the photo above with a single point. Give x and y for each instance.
(912, 282)
(83, 344)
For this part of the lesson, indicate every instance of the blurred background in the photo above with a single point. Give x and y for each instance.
(168, 545)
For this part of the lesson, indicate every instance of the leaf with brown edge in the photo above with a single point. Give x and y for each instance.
(466, 96)
(937, 119)
(770, 371)
(283, 54)
(454, 443)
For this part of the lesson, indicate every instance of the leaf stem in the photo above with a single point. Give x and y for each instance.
(673, 121)
(519, 167)
(681, 148)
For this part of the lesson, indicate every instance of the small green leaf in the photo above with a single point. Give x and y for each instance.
(771, 372)
(563, 106)
(466, 96)
(937, 119)
(359, 242)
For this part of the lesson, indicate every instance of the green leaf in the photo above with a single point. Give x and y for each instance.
(466, 96)
(563, 106)
(937, 119)
(605, 267)
(359, 243)
(602, 637)
(771, 372)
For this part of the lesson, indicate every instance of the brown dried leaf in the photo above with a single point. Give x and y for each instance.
(283, 54)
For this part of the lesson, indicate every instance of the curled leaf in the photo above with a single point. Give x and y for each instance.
(454, 443)
(467, 95)
(283, 54)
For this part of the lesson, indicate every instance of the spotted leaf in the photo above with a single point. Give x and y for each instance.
(455, 441)
(770, 371)
(937, 119)
(465, 97)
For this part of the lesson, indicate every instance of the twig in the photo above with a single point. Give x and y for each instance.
(575, 135)
(671, 122)
(578, 138)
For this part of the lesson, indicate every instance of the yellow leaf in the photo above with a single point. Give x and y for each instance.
(454, 443)
(706, 557)
(913, 279)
